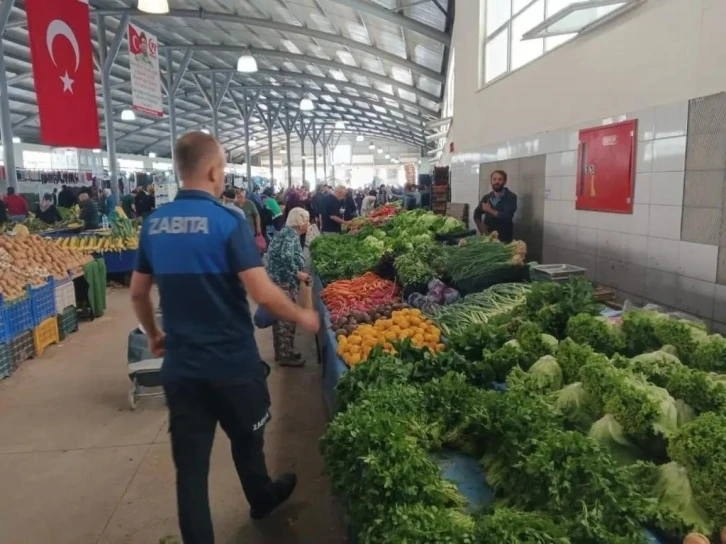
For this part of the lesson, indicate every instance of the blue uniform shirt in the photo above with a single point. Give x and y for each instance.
(195, 247)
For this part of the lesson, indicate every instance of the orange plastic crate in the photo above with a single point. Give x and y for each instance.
(45, 334)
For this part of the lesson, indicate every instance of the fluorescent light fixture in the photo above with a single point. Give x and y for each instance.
(246, 64)
(253, 141)
(283, 150)
(380, 150)
(304, 158)
(340, 125)
(205, 130)
(580, 17)
(152, 155)
(16, 140)
(320, 157)
(371, 146)
(306, 104)
(154, 6)
(419, 161)
(128, 115)
(359, 138)
(96, 151)
(388, 155)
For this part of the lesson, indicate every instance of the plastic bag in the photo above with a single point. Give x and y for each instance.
(263, 319)
(260, 243)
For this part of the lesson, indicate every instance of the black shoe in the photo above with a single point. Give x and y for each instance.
(278, 492)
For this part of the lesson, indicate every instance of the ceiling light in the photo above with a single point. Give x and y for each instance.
(253, 141)
(340, 125)
(306, 104)
(320, 157)
(246, 64)
(283, 150)
(16, 140)
(388, 155)
(154, 6)
(96, 150)
(380, 150)
(128, 115)
(205, 130)
(371, 146)
(359, 138)
(419, 161)
(152, 155)
(304, 158)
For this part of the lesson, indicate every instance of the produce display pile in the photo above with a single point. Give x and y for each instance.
(122, 235)
(604, 429)
(30, 260)
(362, 294)
(377, 217)
(35, 225)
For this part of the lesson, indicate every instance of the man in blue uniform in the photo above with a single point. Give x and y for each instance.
(204, 260)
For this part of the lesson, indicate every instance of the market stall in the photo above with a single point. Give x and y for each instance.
(516, 413)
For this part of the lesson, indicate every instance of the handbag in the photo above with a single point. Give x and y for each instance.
(260, 243)
(263, 319)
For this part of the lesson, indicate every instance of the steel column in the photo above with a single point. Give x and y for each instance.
(171, 99)
(269, 150)
(289, 159)
(303, 158)
(108, 105)
(6, 129)
(248, 154)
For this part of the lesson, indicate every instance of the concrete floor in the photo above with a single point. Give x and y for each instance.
(77, 466)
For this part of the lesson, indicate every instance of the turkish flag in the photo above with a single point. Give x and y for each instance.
(61, 53)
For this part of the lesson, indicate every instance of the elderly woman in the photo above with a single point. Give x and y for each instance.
(47, 212)
(285, 263)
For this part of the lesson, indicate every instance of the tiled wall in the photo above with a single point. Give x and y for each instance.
(667, 250)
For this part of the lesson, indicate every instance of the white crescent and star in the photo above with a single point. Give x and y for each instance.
(56, 28)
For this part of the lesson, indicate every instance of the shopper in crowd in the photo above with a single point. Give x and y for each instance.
(285, 264)
(333, 209)
(383, 196)
(127, 204)
(496, 210)
(275, 213)
(3, 211)
(16, 206)
(359, 201)
(66, 198)
(316, 204)
(205, 267)
(369, 203)
(251, 213)
(144, 202)
(47, 211)
(88, 211)
(293, 199)
(228, 198)
(54, 196)
(109, 202)
(350, 209)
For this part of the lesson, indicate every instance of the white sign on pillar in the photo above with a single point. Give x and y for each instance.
(145, 76)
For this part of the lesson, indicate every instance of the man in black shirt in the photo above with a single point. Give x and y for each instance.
(144, 202)
(333, 208)
(496, 210)
(66, 198)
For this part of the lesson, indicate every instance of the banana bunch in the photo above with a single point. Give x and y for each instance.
(99, 244)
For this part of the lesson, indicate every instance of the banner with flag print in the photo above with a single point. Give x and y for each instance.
(145, 77)
(61, 54)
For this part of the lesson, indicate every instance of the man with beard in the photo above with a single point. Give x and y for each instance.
(496, 210)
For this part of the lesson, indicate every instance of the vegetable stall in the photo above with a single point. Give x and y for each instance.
(516, 412)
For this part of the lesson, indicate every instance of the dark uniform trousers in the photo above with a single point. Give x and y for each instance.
(195, 407)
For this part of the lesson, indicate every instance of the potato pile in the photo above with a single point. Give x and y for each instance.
(30, 260)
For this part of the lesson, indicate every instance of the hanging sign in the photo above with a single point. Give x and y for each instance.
(61, 54)
(145, 77)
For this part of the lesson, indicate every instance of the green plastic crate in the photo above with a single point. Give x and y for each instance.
(67, 322)
(6, 366)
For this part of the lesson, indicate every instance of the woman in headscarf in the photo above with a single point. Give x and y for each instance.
(47, 212)
(285, 264)
(109, 202)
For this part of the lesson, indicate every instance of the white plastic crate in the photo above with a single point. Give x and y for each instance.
(65, 295)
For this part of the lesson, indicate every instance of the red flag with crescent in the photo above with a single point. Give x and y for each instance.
(61, 54)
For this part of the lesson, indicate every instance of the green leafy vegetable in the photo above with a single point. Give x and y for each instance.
(597, 332)
(510, 526)
(551, 304)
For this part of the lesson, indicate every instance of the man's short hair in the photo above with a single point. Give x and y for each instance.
(192, 150)
(11, 190)
(229, 193)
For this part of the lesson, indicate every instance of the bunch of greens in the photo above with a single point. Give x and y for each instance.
(504, 359)
(544, 376)
(638, 327)
(474, 340)
(710, 355)
(534, 342)
(506, 525)
(342, 257)
(420, 523)
(420, 266)
(572, 357)
(682, 334)
(600, 333)
(552, 304)
(480, 259)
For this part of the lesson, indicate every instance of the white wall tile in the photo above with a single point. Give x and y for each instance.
(568, 237)
(665, 222)
(588, 219)
(671, 120)
(633, 280)
(568, 188)
(666, 188)
(568, 213)
(644, 157)
(561, 164)
(695, 296)
(640, 219)
(587, 240)
(550, 254)
(610, 245)
(719, 303)
(636, 249)
(606, 272)
(699, 261)
(552, 211)
(661, 286)
(553, 188)
(663, 254)
(669, 154)
(646, 119)
(641, 194)
(584, 260)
